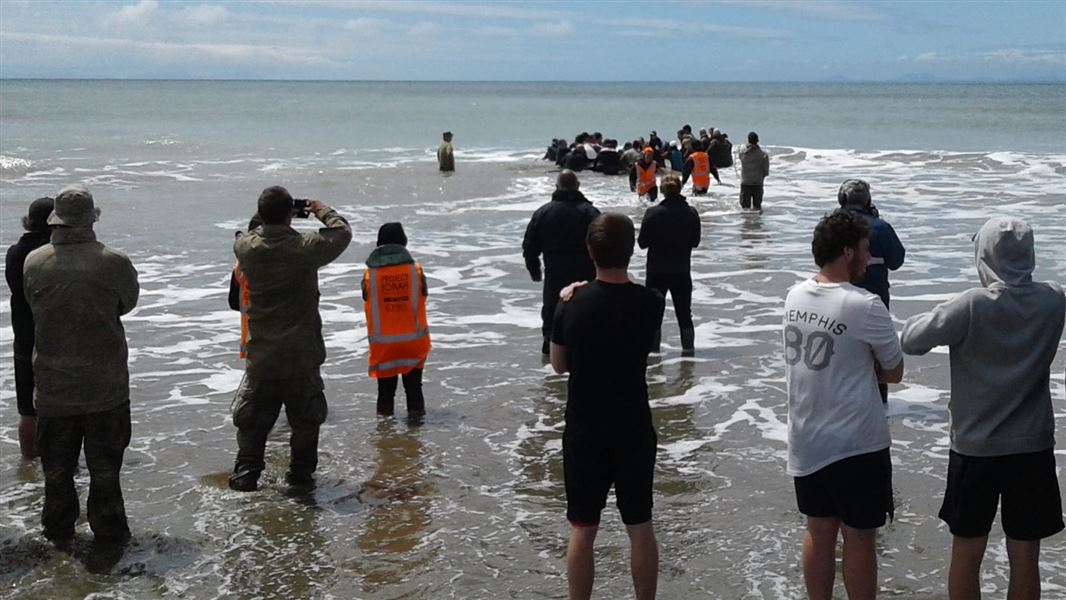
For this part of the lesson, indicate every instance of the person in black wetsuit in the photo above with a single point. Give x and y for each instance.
(557, 230)
(670, 231)
(601, 337)
(38, 233)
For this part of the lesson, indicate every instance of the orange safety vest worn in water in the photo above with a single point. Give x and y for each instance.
(395, 319)
(701, 170)
(645, 177)
(243, 282)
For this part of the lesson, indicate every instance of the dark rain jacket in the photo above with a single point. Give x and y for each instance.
(281, 266)
(78, 288)
(670, 230)
(720, 151)
(558, 230)
(886, 253)
(21, 315)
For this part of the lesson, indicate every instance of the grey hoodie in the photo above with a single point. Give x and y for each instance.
(1002, 339)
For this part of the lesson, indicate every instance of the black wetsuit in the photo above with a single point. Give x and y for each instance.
(22, 318)
(670, 231)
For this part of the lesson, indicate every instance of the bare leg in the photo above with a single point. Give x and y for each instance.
(1024, 569)
(643, 559)
(580, 567)
(964, 576)
(860, 563)
(28, 437)
(819, 556)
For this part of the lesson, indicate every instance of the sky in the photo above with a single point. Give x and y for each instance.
(708, 41)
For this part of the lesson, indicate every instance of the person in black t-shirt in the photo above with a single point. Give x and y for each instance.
(670, 231)
(602, 335)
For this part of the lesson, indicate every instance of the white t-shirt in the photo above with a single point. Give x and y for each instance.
(833, 332)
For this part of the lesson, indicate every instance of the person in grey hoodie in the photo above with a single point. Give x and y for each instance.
(754, 167)
(78, 289)
(1002, 423)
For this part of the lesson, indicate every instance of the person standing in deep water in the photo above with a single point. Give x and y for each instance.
(754, 168)
(285, 345)
(37, 234)
(601, 336)
(557, 230)
(78, 290)
(445, 154)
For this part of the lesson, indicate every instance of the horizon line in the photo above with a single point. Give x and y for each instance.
(915, 80)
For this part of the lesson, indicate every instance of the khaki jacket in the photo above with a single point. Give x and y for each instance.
(78, 288)
(281, 266)
(754, 165)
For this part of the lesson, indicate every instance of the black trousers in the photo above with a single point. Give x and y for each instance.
(105, 436)
(680, 287)
(554, 282)
(256, 409)
(24, 385)
(412, 388)
(751, 196)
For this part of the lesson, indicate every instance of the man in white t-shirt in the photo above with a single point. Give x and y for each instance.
(839, 343)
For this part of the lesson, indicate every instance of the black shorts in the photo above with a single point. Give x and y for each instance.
(857, 490)
(1032, 505)
(591, 466)
(24, 386)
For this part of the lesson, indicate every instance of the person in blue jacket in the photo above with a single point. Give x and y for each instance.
(886, 251)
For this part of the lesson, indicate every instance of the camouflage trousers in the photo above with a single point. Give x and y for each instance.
(256, 407)
(105, 436)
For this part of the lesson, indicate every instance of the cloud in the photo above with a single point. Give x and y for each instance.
(134, 15)
(204, 15)
(556, 29)
(928, 57)
(1016, 56)
(424, 28)
(223, 52)
(633, 27)
(824, 9)
(367, 25)
(475, 9)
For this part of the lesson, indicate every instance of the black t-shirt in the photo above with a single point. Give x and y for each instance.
(607, 329)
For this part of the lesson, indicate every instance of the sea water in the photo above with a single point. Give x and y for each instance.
(471, 504)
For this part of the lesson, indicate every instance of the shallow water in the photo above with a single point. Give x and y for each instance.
(471, 504)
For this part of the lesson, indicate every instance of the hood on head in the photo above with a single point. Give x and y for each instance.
(1004, 252)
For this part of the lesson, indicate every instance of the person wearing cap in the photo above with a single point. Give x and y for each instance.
(557, 230)
(642, 176)
(78, 289)
(285, 349)
(394, 299)
(669, 231)
(1002, 337)
(886, 251)
(445, 154)
(754, 167)
(37, 234)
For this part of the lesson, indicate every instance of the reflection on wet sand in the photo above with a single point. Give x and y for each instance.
(399, 496)
(280, 551)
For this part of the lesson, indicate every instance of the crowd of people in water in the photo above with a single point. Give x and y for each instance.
(840, 350)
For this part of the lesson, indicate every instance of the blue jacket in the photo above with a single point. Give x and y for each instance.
(886, 253)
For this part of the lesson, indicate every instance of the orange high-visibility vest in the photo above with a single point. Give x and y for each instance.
(645, 177)
(243, 282)
(701, 170)
(395, 319)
